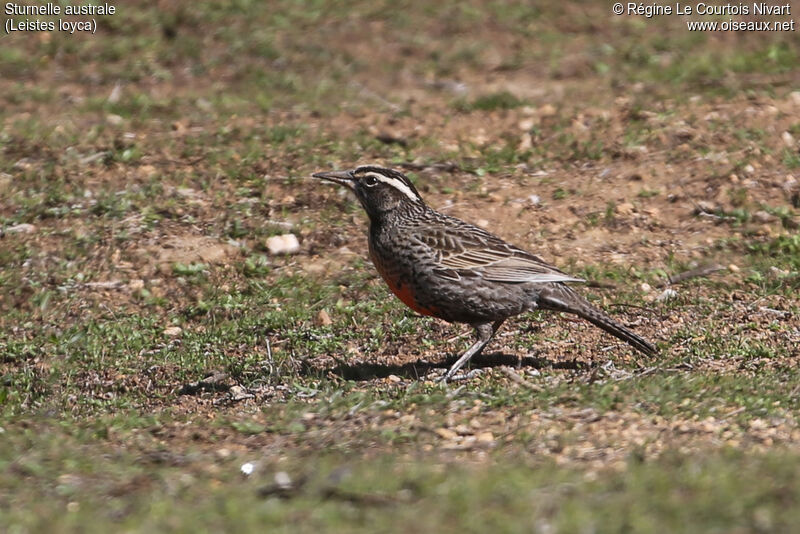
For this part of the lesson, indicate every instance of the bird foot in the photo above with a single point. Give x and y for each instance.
(459, 377)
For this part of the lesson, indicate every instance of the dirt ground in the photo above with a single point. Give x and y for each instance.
(144, 170)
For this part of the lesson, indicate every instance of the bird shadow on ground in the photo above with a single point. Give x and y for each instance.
(368, 371)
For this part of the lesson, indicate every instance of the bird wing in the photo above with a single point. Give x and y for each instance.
(467, 250)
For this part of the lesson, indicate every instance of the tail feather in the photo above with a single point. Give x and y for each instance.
(561, 298)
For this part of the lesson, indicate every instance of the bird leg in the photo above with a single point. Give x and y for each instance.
(485, 332)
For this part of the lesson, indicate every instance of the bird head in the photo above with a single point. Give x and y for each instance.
(379, 190)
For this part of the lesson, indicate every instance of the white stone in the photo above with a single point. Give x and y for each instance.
(283, 480)
(136, 284)
(283, 244)
(667, 294)
(23, 228)
(248, 468)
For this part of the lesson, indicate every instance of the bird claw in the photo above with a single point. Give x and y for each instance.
(460, 377)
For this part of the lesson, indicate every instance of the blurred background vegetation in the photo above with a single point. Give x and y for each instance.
(161, 368)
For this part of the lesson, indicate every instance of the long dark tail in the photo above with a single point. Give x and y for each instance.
(559, 297)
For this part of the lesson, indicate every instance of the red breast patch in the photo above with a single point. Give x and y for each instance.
(403, 291)
(405, 294)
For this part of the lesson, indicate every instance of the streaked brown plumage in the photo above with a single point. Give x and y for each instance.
(447, 268)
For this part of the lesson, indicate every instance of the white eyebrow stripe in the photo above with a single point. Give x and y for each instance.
(397, 184)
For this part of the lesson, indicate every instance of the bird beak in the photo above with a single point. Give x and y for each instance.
(340, 177)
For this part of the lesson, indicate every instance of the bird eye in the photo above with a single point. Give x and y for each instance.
(370, 181)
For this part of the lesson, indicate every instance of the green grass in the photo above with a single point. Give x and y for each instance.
(204, 120)
(491, 102)
(336, 493)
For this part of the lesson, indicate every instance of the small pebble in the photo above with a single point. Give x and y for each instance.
(667, 294)
(763, 217)
(626, 208)
(238, 393)
(283, 480)
(136, 284)
(704, 206)
(526, 124)
(777, 271)
(173, 331)
(548, 110)
(446, 433)
(733, 268)
(283, 244)
(485, 437)
(323, 319)
(23, 228)
(248, 468)
(115, 95)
